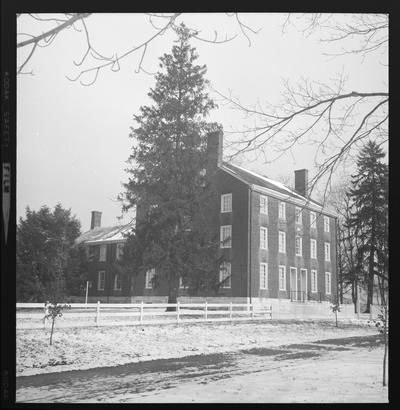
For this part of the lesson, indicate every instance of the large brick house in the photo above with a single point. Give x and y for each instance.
(278, 243)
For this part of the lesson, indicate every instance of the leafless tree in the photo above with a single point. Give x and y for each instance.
(92, 62)
(330, 117)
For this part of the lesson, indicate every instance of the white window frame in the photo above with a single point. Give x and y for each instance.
(263, 275)
(99, 274)
(224, 272)
(313, 219)
(103, 253)
(314, 281)
(117, 275)
(149, 276)
(300, 253)
(263, 205)
(263, 237)
(119, 251)
(226, 203)
(298, 215)
(223, 242)
(327, 248)
(328, 284)
(282, 249)
(280, 269)
(282, 211)
(311, 249)
(326, 224)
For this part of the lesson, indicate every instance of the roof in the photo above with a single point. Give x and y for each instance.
(110, 234)
(262, 183)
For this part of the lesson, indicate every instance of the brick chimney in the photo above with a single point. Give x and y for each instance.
(96, 220)
(215, 147)
(301, 181)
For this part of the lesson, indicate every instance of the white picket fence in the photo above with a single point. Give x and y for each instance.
(109, 314)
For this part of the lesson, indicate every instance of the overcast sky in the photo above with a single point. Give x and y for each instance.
(72, 141)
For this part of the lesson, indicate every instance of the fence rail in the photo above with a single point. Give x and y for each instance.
(142, 313)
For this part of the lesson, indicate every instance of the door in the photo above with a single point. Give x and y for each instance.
(293, 284)
(303, 284)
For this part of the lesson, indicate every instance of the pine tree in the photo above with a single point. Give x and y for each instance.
(167, 184)
(369, 216)
(46, 258)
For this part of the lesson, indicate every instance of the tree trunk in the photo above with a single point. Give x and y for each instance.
(354, 294)
(51, 334)
(370, 284)
(172, 298)
(386, 345)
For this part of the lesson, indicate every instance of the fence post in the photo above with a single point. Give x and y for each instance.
(230, 310)
(205, 310)
(98, 313)
(177, 311)
(141, 311)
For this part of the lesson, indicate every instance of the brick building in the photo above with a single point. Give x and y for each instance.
(278, 243)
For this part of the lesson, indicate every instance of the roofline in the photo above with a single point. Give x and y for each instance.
(103, 241)
(309, 203)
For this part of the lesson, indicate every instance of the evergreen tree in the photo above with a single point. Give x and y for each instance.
(46, 258)
(167, 183)
(369, 215)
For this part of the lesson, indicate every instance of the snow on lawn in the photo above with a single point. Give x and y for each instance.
(345, 377)
(84, 348)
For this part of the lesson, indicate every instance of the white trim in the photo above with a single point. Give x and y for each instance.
(227, 244)
(225, 269)
(263, 198)
(300, 247)
(98, 279)
(103, 252)
(264, 229)
(282, 206)
(326, 223)
(115, 281)
(328, 274)
(306, 276)
(313, 224)
(279, 277)
(327, 253)
(293, 289)
(316, 281)
(229, 202)
(149, 276)
(262, 273)
(311, 247)
(279, 242)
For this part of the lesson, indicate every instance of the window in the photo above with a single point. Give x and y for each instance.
(263, 238)
(101, 280)
(299, 246)
(327, 251)
(226, 236)
(282, 242)
(282, 210)
(225, 275)
(117, 282)
(282, 277)
(314, 280)
(298, 215)
(263, 276)
(181, 285)
(313, 219)
(226, 203)
(327, 283)
(326, 223)
(120, 251)
(149, 278)
(263, 204)
(103, 253)
(203, 172)
(313, 248)
(92, 253)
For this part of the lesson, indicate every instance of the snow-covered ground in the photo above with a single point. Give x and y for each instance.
(84, 348)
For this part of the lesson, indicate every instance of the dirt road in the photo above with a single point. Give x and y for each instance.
(300, 372)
